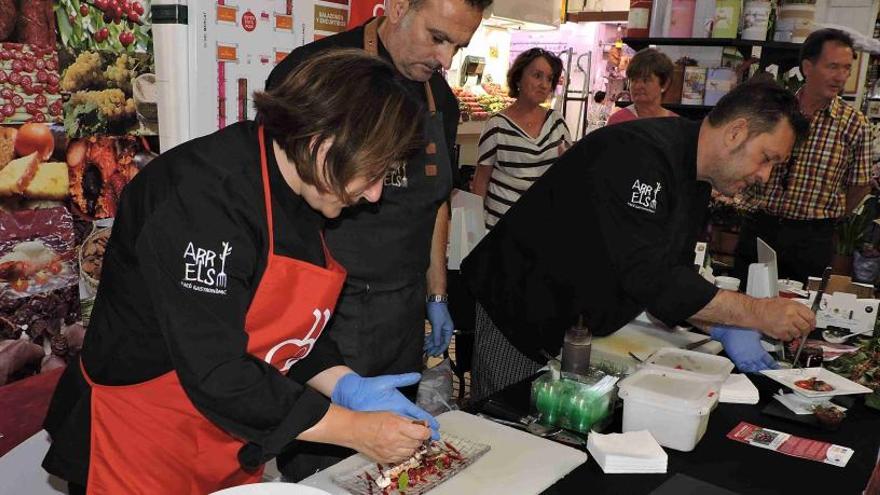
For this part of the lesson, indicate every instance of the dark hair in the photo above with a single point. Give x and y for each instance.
(763, 104)
(514, 75)
(477, 4)
(317, 101)
(812, 48)
(599, 96)
(650, 61)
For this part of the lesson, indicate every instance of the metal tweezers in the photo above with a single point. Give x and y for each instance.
(816, 302)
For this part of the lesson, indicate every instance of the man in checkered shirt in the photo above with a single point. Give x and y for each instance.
(828, 174)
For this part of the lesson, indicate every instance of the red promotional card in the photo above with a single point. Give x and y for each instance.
(785, 443)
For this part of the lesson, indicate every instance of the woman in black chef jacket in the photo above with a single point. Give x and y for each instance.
(216, 283)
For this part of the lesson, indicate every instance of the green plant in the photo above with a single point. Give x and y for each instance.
(854, 229)
(863, 367)
(850, 232)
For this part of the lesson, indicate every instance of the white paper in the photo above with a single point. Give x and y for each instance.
(466, 228)
(630, 452)
(738, 389)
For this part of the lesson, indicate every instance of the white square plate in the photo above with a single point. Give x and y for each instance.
(842, 386)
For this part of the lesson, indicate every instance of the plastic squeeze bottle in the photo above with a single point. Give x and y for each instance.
(576, 348)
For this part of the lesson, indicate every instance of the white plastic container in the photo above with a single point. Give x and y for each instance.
(709, 367)
(673, 406)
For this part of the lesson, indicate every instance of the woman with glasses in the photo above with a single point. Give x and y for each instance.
(204, 357)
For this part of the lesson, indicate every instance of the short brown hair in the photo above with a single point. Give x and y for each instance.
(514, 75)
(354, 99)
(763, 104)
(650, 61)
(812, 47)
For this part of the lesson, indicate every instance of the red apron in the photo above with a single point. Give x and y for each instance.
(148, 438)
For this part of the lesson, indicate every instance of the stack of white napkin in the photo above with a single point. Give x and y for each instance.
(738, 389)
(630, 452)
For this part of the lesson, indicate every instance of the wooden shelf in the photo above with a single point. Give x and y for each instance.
(610, 16)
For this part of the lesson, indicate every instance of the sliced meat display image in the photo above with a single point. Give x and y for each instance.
(36, 23)
(39, 296)
(8, 14)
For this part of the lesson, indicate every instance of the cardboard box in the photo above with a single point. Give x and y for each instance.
(845, 304)
(842, 283)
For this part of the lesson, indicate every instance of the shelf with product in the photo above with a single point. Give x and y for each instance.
(871, 102)
(715, 45)
(783, 54)
(763, 54)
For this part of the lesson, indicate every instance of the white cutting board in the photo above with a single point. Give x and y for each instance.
(517, 463)
(644, 339)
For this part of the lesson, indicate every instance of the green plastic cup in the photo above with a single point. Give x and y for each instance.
(547, 400)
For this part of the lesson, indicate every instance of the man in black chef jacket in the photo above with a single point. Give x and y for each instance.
(610, 229)
(396, 255)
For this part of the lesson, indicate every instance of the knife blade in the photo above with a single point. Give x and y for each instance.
(569, 438)
(815, 308)
(559, 435)
(504, 411)
(694, 345)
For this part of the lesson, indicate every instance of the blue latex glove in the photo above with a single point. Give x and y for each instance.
(441, 328)
(744, 348)
(380, 393)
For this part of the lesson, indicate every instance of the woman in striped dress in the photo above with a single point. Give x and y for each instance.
(520, 143)
(517, 147)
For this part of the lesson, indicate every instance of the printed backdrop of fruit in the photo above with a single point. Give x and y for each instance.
(78, 115)
(109, 25)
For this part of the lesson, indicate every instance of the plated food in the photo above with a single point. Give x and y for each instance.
(431, 465)
(815, 382)
(815, 385)
(829, 415)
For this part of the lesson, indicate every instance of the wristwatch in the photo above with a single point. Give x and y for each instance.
(440, 298)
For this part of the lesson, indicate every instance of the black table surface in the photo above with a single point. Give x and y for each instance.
(733, 465)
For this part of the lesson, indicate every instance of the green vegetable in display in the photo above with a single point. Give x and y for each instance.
(862, 367)
(84, 120)
(403, 482)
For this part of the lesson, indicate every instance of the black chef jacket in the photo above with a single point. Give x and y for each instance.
(394, 240)
(144, 324)
(607, 232)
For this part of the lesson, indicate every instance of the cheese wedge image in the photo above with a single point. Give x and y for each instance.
(30, 178)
